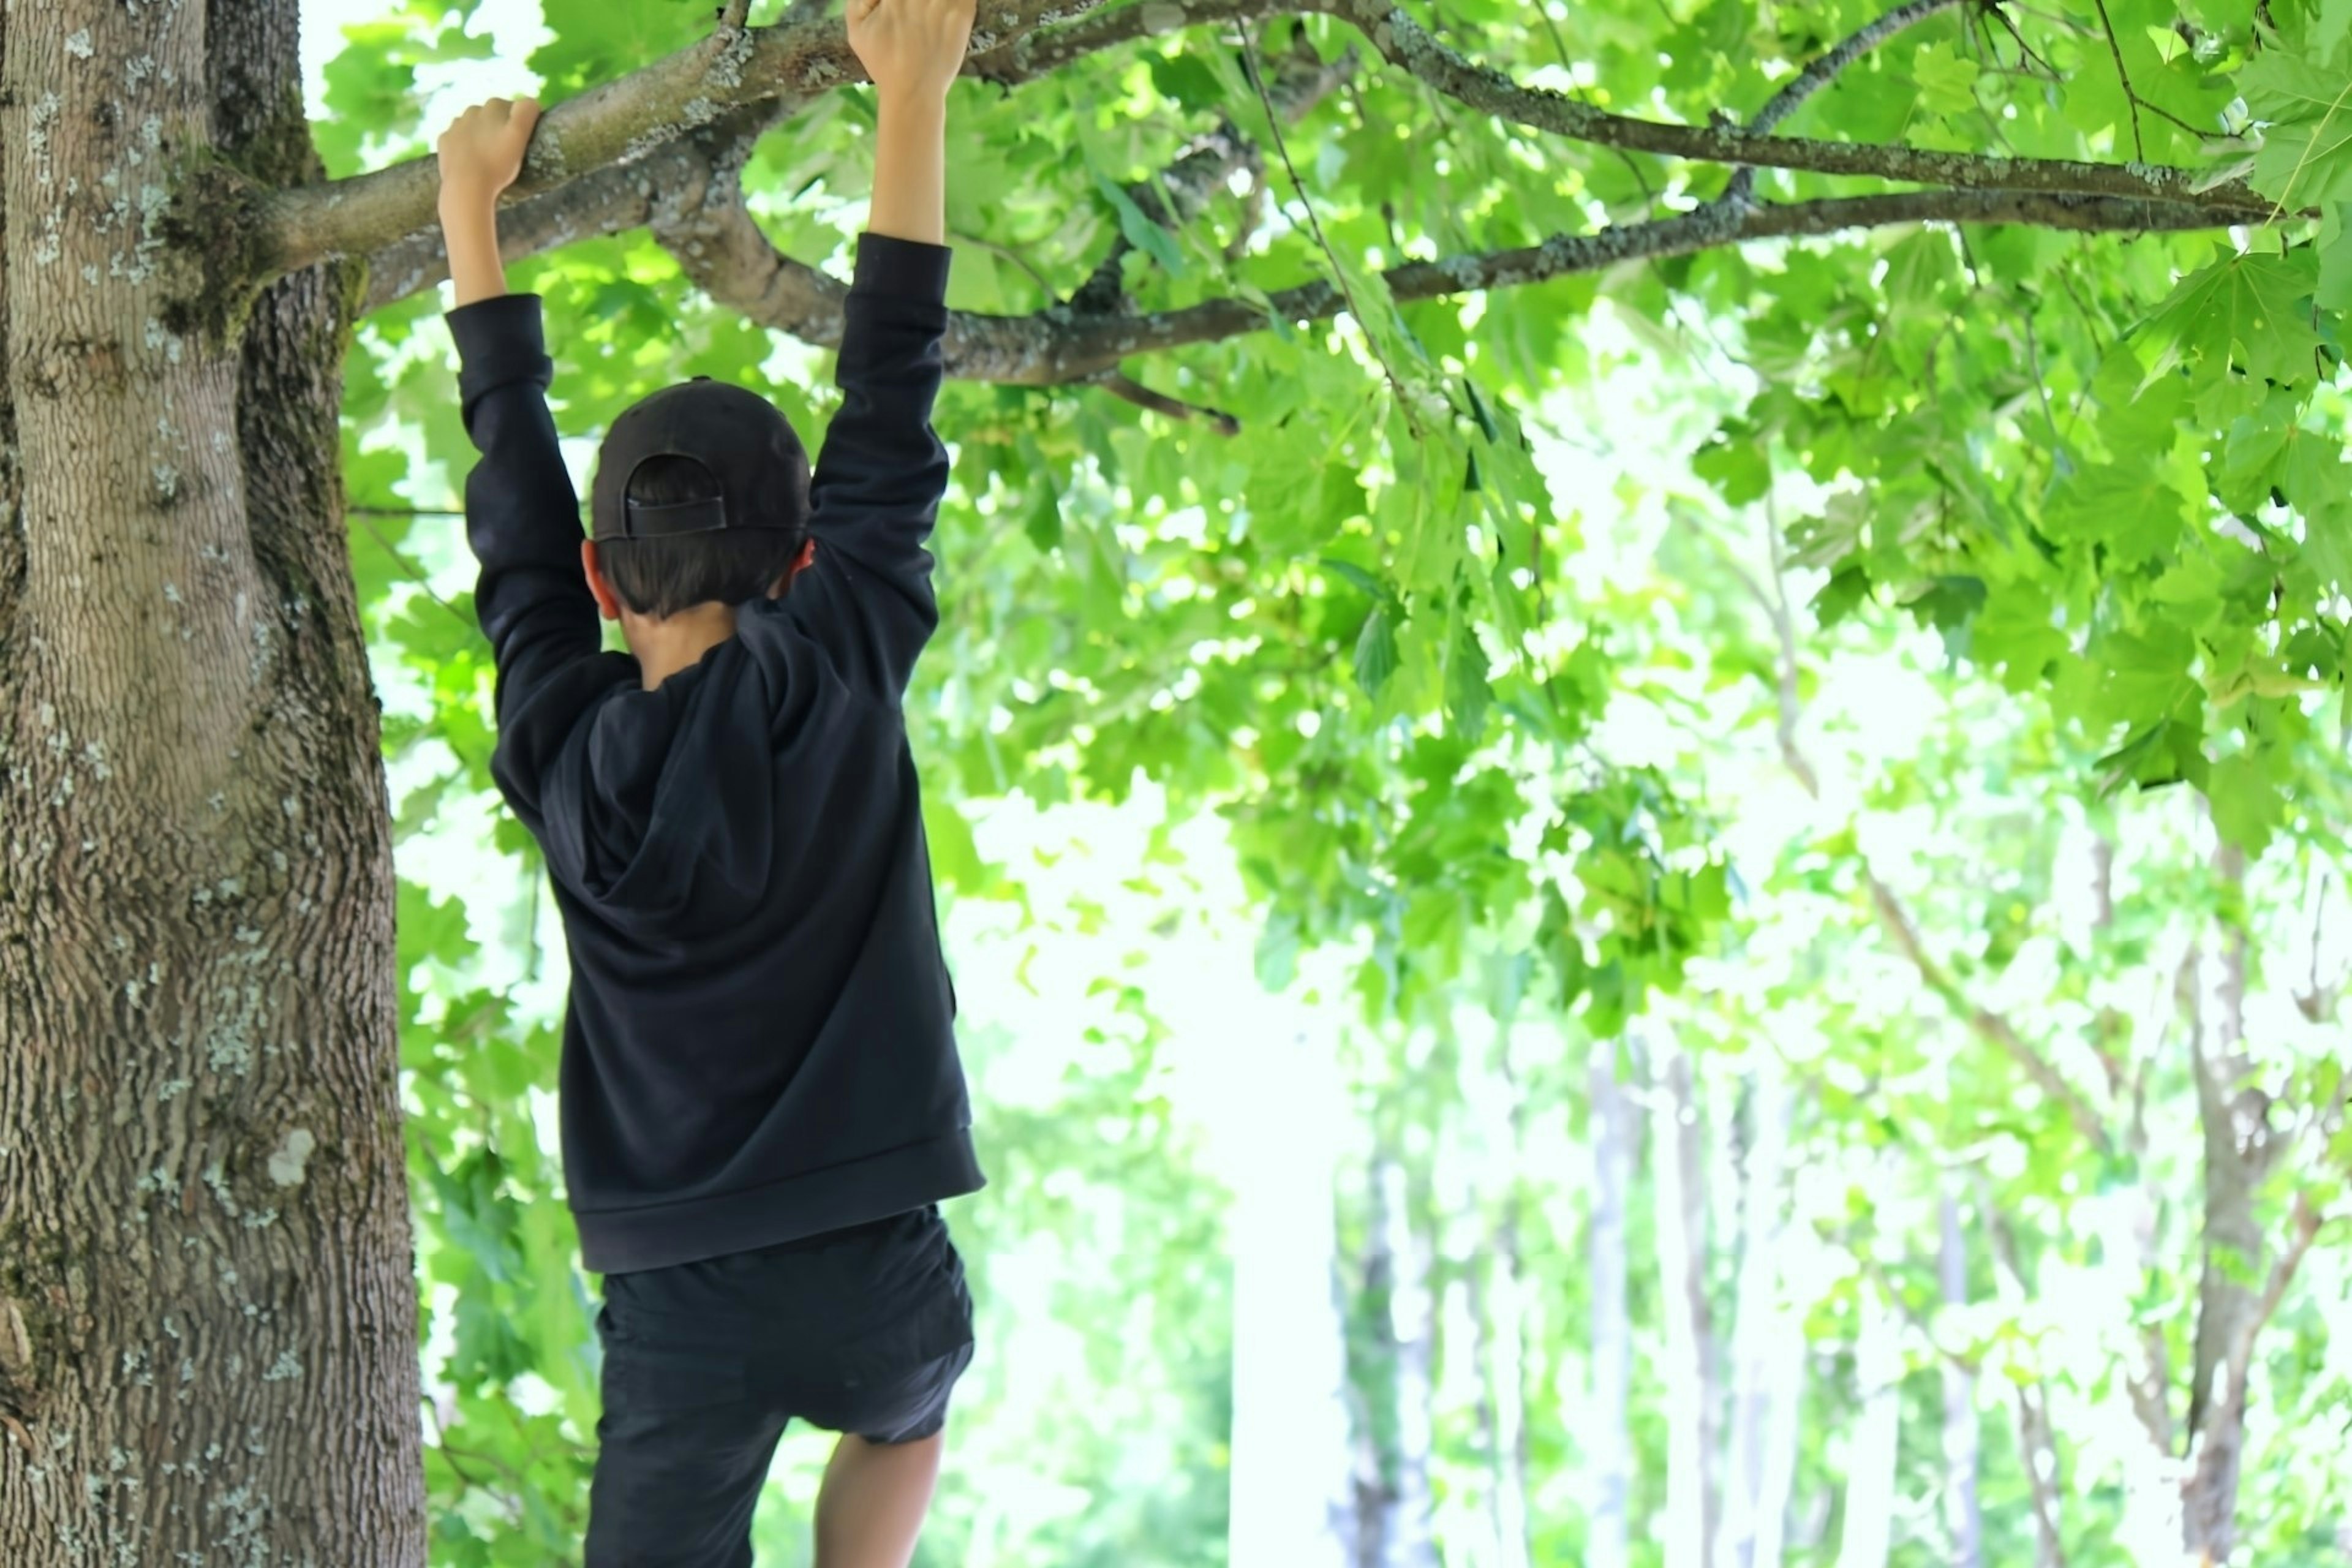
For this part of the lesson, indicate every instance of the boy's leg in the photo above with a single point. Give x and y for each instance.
(683, 1449)
(870, 1509)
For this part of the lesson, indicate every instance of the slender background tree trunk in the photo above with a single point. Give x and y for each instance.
(1869, 1533)
(1963, 1517)
(206, 1278)
(1615, 1138)
(1768, 1341)
(1291, 1506)
(1413, 1319)
(1679, 1164)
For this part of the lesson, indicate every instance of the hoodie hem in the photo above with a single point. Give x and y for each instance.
(620, 1241)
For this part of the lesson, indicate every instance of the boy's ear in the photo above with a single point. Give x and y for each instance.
(800, 564)
(608, 602)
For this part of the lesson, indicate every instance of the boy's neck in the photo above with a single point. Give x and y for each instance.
(677, 642)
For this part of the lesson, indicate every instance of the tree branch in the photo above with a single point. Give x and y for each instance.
(2037, 1439)
(789, 63)
(617, 122)
(1819, 75)
(1410, 47)
(1177, 195)
(727, 256)
(613, 200)
(1892, 915)
(1142, 396)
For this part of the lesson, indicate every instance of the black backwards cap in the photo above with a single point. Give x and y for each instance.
(755, 462)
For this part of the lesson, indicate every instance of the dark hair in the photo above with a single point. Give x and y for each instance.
(665, 576)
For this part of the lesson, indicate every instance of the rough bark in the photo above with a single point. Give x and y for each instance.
(1691, 1401)
(205, 1278)
(1963, 1516)
(1615, 1139)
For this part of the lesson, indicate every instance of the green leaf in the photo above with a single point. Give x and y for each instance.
(2248, 806)
(1141, 231)
(1375, 652)
(1467, 694)
(1043, 521)
(2253, 310)
(1358, 578)
(1947, 81)
(2131, 511)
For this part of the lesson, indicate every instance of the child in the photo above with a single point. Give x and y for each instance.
(762, 1103)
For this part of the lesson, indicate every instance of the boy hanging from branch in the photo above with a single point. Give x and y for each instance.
(763, 1105)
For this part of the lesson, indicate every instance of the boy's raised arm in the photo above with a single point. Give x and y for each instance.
(876, 488)
(522, 516)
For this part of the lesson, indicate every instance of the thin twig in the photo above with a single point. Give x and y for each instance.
(1567, 64)
(1009, 254)
(1817, 74)
(2140, 148)
(2023, 48)
(1121, 386)
(415, 573)
(1892, 915)
(1315, 223)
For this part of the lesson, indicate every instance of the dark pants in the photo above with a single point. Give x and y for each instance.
(862, 1330)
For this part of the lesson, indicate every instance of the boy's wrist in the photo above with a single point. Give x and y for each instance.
(903, 99)
(467, 199)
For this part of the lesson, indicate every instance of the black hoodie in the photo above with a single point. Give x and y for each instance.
(758, 1044)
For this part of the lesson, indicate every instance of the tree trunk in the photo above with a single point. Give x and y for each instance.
(1963, 1517)
(1769, 1344)
(1375, 1498)
(2241, 1150)
(2037, 1439)
(1679, 1165)
(1616, 1135)
(1869, 1531)
(207, 1312)
(1413, 1325)
(1290, 1493)
(1507, 1358)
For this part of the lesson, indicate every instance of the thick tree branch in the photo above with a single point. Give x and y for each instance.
(617, 122)
(1190, 183)
(613, 200)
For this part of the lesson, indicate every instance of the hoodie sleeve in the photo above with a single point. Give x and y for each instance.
(522, 516)
(876, 493)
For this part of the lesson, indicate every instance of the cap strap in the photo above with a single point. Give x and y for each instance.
(640, 520)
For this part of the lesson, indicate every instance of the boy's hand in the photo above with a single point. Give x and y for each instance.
(911, 48)
(482, 150)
